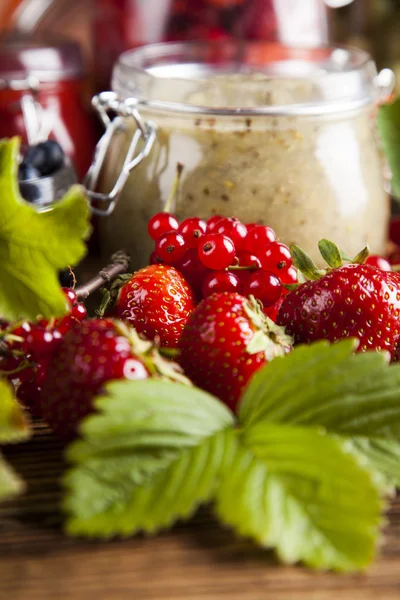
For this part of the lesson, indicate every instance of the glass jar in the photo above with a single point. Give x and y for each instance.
(42, 94)
(266, 133)
(126, 24)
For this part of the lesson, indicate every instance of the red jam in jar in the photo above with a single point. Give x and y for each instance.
(126, 24)
(52, 75)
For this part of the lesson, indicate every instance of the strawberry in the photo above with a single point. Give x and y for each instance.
(157, 301)
(351, 300)
(225, 341)
(91, 354)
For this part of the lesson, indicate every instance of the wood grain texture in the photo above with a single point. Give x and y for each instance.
(194, 561)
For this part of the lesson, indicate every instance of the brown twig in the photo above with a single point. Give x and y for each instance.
(120, 264)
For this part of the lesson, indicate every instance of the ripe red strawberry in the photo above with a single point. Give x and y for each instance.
(226, 340)
(91, 354)
(157, 301)
(353, 300)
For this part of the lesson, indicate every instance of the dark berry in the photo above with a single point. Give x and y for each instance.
(275, 257)
(47, 157)
(219, 282)
(258, 237)
(27, 172)
(216, 251)
(234, 229)
(264, 286)
(161, 223)
(171, 247)
(379, 262)
(192, 230)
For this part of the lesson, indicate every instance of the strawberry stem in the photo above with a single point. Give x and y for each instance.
(119, 265)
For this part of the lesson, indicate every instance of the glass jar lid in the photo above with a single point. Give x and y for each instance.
(247, 78)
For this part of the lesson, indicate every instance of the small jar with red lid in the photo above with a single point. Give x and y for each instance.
(51, 77)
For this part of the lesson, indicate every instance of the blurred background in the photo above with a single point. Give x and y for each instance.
(69, 47)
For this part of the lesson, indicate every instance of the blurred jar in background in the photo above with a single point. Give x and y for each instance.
(125, 24)
(52, 75)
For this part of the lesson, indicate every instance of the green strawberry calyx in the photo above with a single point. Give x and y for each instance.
(148, 352)
(269, 338)
(334, 258)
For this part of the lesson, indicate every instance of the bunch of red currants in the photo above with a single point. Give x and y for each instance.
(225, 255)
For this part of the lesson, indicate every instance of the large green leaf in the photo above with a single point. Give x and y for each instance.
(297, 490)
(150, 456)
(352, 395)
(34, 246)
(389, 130)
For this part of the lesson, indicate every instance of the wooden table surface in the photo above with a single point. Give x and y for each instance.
(194, 561)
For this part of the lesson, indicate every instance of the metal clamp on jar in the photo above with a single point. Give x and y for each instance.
(267, 133)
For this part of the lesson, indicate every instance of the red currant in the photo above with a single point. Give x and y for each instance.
(211, 223)
(272, 311)
(65, 324)
(171, 247)
(247, 259)
(258, 237)
(220, 281)
(379, 262)
(263, 285)
(161, 223)
(70, 295)
(192, 230)
(216, 251)
(275, 257)
(154, 259)
(79, 312)
(234, 229)
(193, 269)
(289, 276)
(21, 331)
(40, 343)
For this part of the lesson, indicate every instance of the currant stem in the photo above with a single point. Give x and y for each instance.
(119, 265)
(244, 268)
(174, 189)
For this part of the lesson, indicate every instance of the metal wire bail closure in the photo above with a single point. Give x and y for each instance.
(105, 103)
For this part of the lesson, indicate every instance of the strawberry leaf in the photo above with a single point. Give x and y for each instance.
(10, 484)
(13, 424)
(297, 490)
(389, 130)
(330, 253)
(13, 428)
(150, 456)
(35, 246)
(356, 396)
